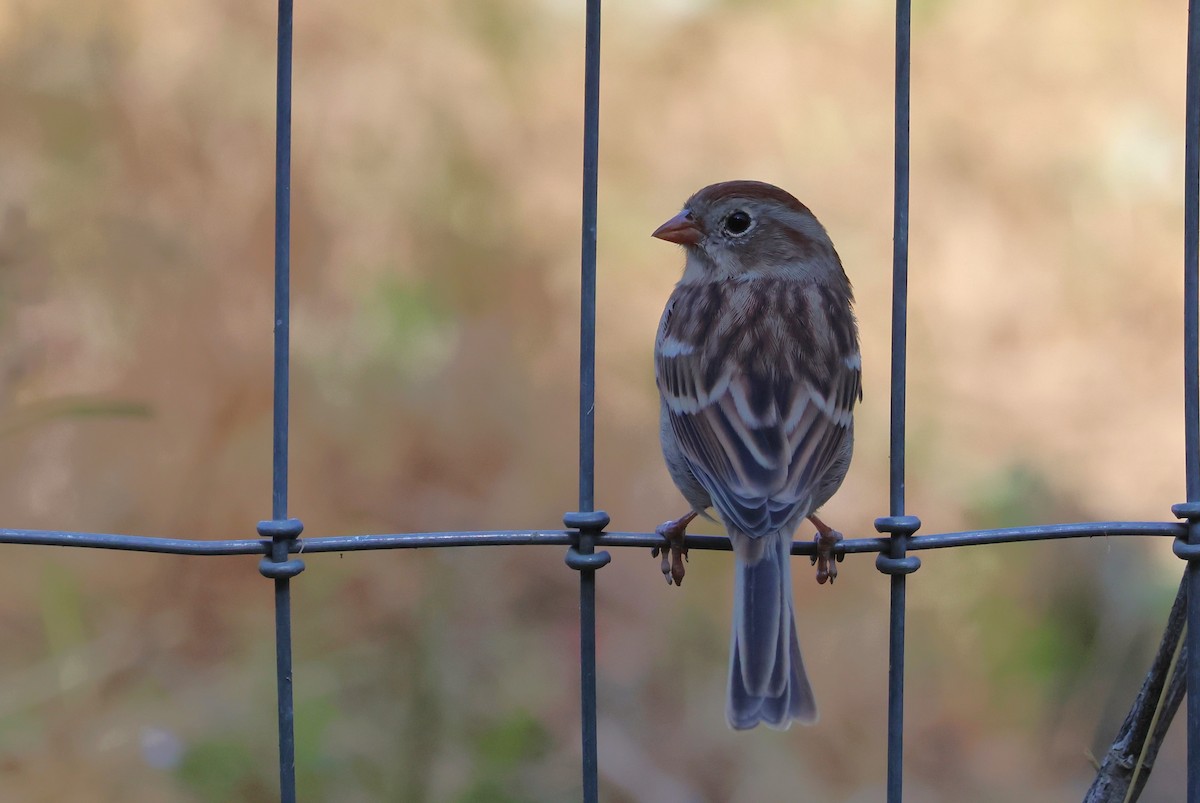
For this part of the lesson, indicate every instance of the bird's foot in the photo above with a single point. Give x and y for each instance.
(674, 551)
(826, 562)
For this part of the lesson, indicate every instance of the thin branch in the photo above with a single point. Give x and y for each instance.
(1128, 762)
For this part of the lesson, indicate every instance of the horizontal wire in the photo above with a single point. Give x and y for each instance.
(357, 543)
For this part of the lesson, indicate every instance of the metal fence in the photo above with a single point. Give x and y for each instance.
(585, 531)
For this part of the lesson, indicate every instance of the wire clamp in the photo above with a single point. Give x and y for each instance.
(283, 533)
(581, 555)
(900, 528)
(1187, 546)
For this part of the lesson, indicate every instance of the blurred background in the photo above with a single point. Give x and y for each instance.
(436, 191)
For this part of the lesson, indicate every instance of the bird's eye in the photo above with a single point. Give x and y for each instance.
(737, 223)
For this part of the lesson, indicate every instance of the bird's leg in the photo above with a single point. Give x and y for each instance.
(825, 539)
(674, 551)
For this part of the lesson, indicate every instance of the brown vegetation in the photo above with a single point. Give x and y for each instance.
(436, 184)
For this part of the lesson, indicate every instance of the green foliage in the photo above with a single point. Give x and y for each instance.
(1040, 622)
(313, 718)
(217, 770)
(62, 605)
(1031, 649)
(1013, 496)
(410, 311)
(511, 742)
(37, 414)
(500, 752)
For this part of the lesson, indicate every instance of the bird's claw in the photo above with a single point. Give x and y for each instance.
(824, 559)
(674, 551)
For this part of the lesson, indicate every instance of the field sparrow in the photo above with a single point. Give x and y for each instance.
(758, 367)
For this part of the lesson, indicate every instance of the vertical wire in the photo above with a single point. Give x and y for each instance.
(895, 762)
(587, 683)
(1191, 251)
(283, 249)
(283, 669)
(587, 396)
(900, 257)
(587, 305)
(279, 477)
(1191, 382)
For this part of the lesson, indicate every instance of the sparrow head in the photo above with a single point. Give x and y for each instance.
(750, 228)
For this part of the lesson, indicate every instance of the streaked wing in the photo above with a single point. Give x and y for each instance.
(760, 402)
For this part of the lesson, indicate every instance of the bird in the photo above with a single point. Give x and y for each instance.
(758, 369)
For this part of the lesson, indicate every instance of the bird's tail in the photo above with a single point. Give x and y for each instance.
(767, 682)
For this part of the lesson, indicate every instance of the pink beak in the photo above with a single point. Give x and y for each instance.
(680, 229)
